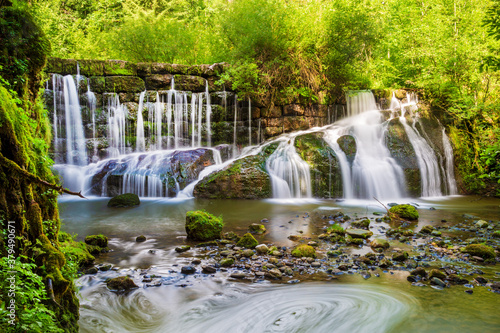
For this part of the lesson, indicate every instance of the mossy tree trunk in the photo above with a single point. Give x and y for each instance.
(26, 197)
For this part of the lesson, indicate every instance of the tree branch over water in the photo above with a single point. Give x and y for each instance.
(13, 167)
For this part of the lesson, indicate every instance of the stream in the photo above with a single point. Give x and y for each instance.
(320, 302)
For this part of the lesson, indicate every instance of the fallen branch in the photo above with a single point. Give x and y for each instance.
(15, 168)
(382, 205)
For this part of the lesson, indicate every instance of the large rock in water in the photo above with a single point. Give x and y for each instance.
(124, 200)
(402, 151)
(326, 177)
(245, 178)
(173, 169)
(203, 226)
(348, 145)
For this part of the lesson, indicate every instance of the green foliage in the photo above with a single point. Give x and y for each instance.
(29, 293)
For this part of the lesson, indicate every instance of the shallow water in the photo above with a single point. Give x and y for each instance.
(197, 303)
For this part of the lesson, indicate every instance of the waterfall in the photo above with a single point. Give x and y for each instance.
(76, 150)
(427, 161)
(290, 175)
(140, 141)
(117, 114)
(208, 116)
(235, 147)
(359, 102)
(249, 122)
(158, 121)
(450, 173)
(91, 105)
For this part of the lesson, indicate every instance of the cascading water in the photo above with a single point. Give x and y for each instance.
(290, 175)
(373, 172)
(76, 151)
(140, 144)
(179, 119)
(450, 173)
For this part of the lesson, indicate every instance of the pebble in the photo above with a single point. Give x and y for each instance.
(209, 269)
(238, 275)
(469, 291)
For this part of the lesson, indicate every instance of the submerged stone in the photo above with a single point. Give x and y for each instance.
(124, 200)
(359, 233)
(121, 283)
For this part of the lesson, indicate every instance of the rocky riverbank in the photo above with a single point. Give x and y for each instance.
(464, 253)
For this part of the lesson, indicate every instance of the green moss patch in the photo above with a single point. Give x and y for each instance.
(247, 241)
(480, 250)
(124, 200)
(304, 251)
(203, 226)
(407, 212)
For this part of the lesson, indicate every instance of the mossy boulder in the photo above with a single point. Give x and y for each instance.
(121, 283)
(77, 252)
(124, 200)
(480, 250)
(348, 145)
(97, 240)
(326, 176)
(437, 273)
(403, 152)
(400, 256)
(256, 228)
(427, 229)
(304, 251)
(361, 224)
(248, 241)
(227, 262)
(245, 178)
(359, 233)
(335, 229)
(203, 226)
(380, 243)
(406, 212)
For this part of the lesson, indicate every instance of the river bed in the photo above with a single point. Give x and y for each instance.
(385, 302)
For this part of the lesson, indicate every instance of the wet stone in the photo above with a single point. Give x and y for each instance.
(209, 269)
(188, 270)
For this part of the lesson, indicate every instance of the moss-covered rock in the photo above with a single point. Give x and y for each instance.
(227, 262)
(407, 212)
(427, 229)
(120, 84)
(245, 178)
(203, 226)
(348, 145)
(97, 240)
(304, 251)
(380, 243)
(437, 273)
(124, 200)
(361, 224)
(256, 228)
(335, 229)
(326, 177)
(402, 151)
(248, 241)
(189, 83)
(121, 283)
(91, 67)
(400, 256)
(359, 233)
(480, 250)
